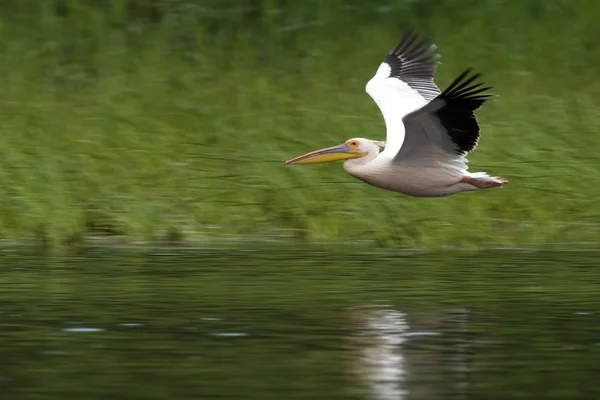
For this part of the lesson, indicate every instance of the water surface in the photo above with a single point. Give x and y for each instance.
(300, 323)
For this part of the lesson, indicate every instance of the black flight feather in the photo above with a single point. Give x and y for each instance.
(413, 60)
(460, 100)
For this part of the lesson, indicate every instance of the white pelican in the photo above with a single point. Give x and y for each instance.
(429, 133)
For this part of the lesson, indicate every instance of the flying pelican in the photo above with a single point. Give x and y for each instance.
(429, 133)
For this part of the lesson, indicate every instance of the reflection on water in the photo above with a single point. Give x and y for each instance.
(274, 324)
(395, 356)
(382, 364)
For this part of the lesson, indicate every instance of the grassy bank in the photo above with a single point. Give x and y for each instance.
(132, 122)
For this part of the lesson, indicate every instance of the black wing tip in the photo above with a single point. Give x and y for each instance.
(412, 56)
(461, 99)
(467, 86)
(414, 60)
(415, 44)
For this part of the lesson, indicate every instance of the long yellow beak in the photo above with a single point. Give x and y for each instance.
(335, 153)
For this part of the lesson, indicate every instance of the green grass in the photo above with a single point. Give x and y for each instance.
(117, 122)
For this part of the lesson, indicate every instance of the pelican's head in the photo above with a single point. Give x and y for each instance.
(352, 148)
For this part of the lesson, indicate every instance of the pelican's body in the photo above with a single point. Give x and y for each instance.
(431, 180)
(429, 132)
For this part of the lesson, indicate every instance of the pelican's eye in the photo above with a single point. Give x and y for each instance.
(353, 144)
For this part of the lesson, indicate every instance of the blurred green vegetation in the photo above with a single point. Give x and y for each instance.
(145, 120)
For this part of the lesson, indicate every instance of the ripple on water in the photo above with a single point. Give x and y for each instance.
(83, 330)
(229, 334)
(411, 334)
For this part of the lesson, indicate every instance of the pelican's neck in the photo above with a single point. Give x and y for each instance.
(354, 166)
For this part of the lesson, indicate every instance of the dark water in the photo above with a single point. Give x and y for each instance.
(299, 324)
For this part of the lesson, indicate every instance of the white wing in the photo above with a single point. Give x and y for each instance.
(404, 83)
(445, 129)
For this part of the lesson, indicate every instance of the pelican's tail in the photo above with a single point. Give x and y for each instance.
(481, 180)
